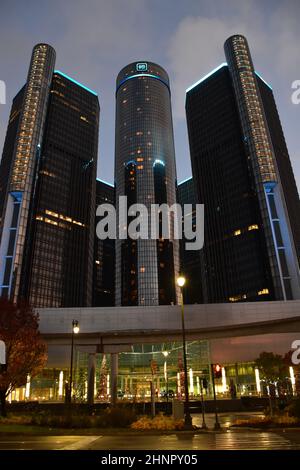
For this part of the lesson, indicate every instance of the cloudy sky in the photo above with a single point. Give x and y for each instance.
(94, 39)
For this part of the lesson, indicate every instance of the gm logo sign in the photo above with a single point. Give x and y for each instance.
(141, 67)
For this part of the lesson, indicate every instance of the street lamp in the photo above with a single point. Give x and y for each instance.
(75, 331)
(187, 417)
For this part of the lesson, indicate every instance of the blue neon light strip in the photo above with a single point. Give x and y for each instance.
(17, 195)
(184, 181)
(143, 75)
(269, 186)
(130, 162)
(206, 76)
(105, 182)
(263, 80)
(158, 162)
(74, 81)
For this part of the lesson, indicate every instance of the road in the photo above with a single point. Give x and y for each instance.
(229, 440)
(122, 440)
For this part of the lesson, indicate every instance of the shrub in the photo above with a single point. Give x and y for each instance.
(16, 419)
(117, 417)
(294, 409)
(160, 423)
(265, 422)
(110, 417)
(62, 421)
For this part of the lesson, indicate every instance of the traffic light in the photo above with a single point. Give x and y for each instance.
(217, 371)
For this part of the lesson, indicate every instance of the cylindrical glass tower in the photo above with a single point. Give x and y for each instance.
(145, 172)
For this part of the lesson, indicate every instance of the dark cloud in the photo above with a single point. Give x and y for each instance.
(94, 39)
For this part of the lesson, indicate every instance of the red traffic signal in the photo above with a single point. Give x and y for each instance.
(217, 371)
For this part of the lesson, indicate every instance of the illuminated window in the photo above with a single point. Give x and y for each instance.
(49, 221)
(237, 232)
(263, 292)
(63, 217)
(236, 298)
(54, 214)
(253, 227)
(142, 269)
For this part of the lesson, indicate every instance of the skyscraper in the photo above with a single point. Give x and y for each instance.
(47, 241)
(104, 256)
(190, 259)
(249, 251)
(145, 173)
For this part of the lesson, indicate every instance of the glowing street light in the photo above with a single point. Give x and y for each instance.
(75, 331)
(187, 417)
(180, 281)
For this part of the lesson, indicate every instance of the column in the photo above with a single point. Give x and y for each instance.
(114, 359)
(91, 378)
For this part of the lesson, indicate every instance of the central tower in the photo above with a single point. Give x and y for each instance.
(145, 172)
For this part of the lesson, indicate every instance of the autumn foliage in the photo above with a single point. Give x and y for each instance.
(25, 350)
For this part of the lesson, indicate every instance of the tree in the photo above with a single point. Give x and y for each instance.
(296, 367)
(271, 366)
(102, 389)
(272, 369)
(25, 351)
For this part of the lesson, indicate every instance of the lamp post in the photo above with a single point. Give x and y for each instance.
(187, 417)
(75, 331)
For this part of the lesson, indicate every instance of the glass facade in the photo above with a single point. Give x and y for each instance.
(145, 269)
(248, 255)
(234, 262)
(104, 255)
(190, 264)
(59, 257)
(265, 169)
(256, 137)
(161, 364)
(48, 187)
